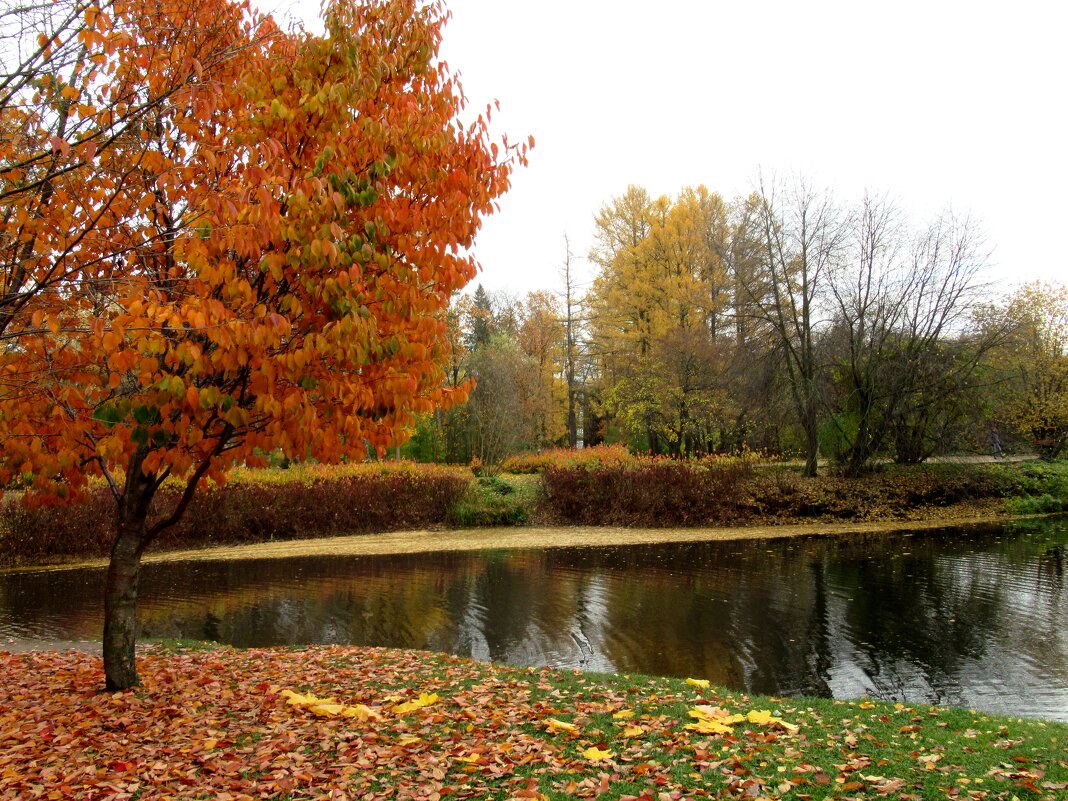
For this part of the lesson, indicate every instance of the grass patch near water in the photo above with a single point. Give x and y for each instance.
(497, 501)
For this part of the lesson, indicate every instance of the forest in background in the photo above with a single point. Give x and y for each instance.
(784, 321)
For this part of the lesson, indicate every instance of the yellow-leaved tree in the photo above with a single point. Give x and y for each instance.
(1033, 364)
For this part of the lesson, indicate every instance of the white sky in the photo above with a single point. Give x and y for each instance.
(937, 103)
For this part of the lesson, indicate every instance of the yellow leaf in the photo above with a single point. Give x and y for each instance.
(709, 727)
(360, 712)
(326, 710)
(424, 699)
(633, 731)
(763, 717)
(701, 684)
(623, 714)
(296, 699)
(408, 739)
(595, 754)
(559, 725)
(470, 758)
(714, 713)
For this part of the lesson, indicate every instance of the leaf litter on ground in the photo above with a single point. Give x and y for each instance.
(347, 722)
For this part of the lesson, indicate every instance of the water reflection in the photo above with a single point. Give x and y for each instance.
(970, 617)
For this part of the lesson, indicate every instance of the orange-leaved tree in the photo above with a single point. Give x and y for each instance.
(85, 86)
(285, 288)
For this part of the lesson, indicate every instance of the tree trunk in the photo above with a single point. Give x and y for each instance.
(812, 441)
(572, 417)
(120, 591)
(120, 606)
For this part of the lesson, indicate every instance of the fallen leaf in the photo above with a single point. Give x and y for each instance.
(361, 712)
(424, 699)
(327, 710)
(559, 725)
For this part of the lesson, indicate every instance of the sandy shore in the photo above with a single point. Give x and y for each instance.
(404, 542)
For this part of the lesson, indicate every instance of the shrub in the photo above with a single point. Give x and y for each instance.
(256, 505)
(493, 501)
(1040, 505)
(655, 492)
(1044, 478)
(597, 456)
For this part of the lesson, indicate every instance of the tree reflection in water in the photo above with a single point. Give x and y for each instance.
(968, 616)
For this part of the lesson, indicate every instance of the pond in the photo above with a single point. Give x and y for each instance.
(974, 617)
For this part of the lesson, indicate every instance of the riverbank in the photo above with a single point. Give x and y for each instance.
(515, 537)
(232, 724)
(406, 509)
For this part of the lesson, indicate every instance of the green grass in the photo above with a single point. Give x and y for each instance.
(841, 749)
(1038, 487)
(497, 501)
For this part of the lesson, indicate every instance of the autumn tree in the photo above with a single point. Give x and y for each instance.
(503, 409)
(801, 235)
(903, 356)
(90, 99)
(662, 287)
(573, 322)
(283, 284)
(542, 337)
(1032, 363)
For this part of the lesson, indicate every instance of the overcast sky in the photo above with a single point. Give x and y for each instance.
(938, 103)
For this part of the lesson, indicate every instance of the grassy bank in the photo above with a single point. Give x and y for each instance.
(622, 491)
(220, 723)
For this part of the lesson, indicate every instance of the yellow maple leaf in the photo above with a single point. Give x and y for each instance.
(701, 684)
(470, 758)
(424, 699)
(361, 713)
(760, 716)
(633, 731)
(763, 717)
(408, 739)
(715, 714)
(623, 714)
(709, 727)
(595, 754)
(559, 725)
(296, 699)
(326, 710)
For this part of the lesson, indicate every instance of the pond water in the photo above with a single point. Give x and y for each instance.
(974, 617)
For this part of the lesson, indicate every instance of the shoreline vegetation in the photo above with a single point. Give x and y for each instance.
(517, 537)
(374, 723)
(357, 722)
(403, 507)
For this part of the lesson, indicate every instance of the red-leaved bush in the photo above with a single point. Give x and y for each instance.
(650, 493)
(255, 507)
